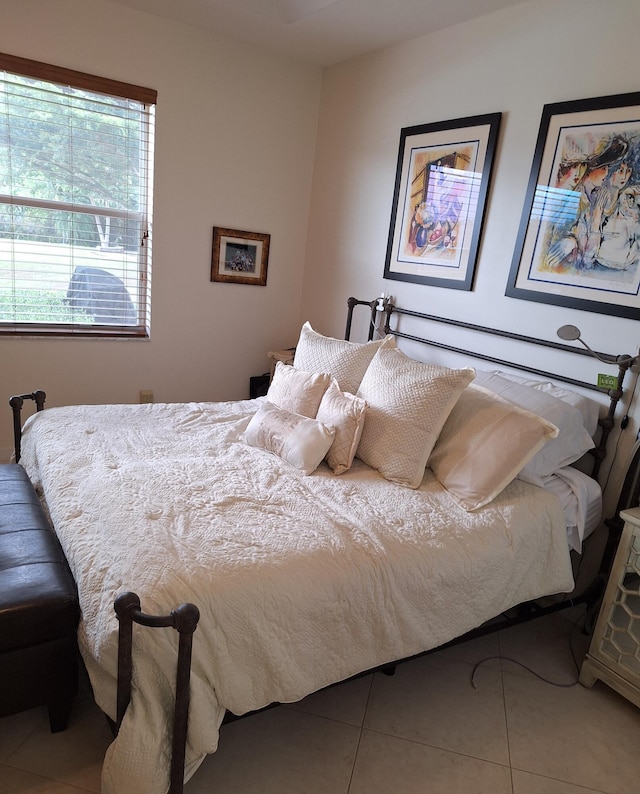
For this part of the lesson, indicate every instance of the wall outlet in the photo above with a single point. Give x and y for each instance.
(146, 396)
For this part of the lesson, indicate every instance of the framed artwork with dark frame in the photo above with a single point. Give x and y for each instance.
(442, 181)
(578, 244)
(239, 257)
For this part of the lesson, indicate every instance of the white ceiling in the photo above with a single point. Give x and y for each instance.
(321, 32)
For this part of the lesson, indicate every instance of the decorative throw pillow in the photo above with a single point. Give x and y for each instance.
(296, 390)
(345, 413)
(407, 405)
(345, 361)
(484, 444)
(572, 441)
(300, 441)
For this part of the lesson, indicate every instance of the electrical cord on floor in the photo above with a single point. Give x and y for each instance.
(520, 664)
(529, 669)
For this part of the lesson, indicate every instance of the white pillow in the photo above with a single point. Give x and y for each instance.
(300, 441)
(407, 405)
(573, 439)
(297, 391)
(483, 445)
(589, 409)
(345, 413)
(345, 361)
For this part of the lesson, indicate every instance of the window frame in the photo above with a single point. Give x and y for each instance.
(38, 70)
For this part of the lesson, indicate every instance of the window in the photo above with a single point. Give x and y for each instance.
(76, 177)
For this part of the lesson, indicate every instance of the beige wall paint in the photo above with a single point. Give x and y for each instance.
(514, 61)
(235, 141)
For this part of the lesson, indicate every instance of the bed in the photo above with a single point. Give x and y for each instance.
(317, 541)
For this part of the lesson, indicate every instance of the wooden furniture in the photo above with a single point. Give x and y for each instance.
(614, 653)
(38, 607)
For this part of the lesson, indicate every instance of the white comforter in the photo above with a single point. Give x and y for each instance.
(300, 581)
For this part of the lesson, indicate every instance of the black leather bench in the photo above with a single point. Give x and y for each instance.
(38, 607)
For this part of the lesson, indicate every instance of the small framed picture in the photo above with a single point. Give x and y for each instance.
(239, 257)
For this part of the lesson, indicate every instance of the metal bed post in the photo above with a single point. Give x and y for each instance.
(16, 404)
(185, 620)
(607, 423)
(351, 304)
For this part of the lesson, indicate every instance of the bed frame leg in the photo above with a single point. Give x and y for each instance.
(185, 620)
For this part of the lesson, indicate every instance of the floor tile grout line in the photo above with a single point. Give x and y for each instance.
(579, 786)
(18, 746)
(360, 732)
(504, 708)
(418, 743)
(39, 775)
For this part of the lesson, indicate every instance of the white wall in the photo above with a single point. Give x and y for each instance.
(235, 139)
(514, 61)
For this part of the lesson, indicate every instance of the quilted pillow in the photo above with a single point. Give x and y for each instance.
(407, 405)
(572, 441)
(300, 441)
(297, 391)
(345, 413)
(484, 444)
(345, 361)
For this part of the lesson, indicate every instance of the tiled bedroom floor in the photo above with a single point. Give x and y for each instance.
(425, 730)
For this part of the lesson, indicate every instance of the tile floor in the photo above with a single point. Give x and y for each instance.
(426, 729)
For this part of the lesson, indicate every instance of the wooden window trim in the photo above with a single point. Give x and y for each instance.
(58, 74)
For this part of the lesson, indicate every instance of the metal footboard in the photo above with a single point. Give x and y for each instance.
(185, 620)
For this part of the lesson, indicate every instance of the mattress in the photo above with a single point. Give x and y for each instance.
(301, 581)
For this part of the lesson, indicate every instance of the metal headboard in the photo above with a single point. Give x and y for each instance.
(386, 306)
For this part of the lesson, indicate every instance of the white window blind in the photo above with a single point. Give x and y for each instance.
(76, 180)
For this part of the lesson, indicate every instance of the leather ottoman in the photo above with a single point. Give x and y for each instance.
(38, 607)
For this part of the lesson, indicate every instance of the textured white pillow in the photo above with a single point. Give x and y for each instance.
(483, 445)
(300, 441)
(345, 361)
(345, 413)
(407, 405)
(297, 391)
(573, 439)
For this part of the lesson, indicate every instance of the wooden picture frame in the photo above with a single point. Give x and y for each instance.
(578, 244)
(442, 180)
(239, 257)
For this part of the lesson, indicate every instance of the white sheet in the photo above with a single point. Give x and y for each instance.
(581, 499)
(301, 581)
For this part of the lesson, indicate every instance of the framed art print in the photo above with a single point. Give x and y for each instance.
(239, 257)
(578, 243)
(442, 181)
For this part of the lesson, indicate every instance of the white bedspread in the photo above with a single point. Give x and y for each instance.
(300, 581)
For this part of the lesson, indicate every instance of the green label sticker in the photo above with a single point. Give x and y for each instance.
(607, 381)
